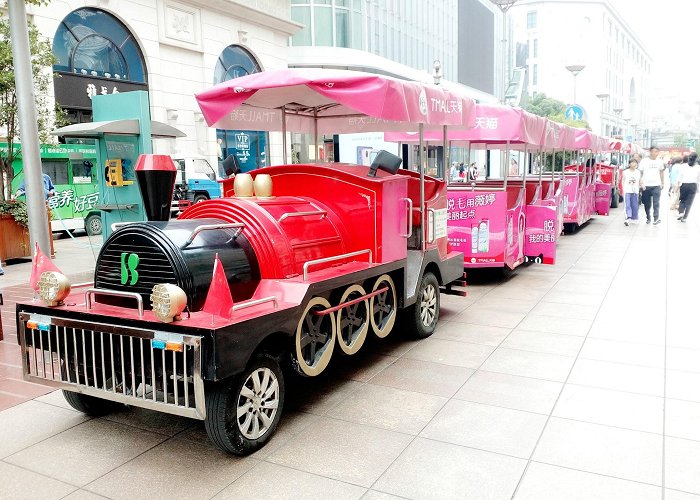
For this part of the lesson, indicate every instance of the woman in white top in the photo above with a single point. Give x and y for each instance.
(688, 179)
(630, 188)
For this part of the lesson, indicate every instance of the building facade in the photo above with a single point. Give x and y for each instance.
(612, 87)
(173, 49)
(404, 38)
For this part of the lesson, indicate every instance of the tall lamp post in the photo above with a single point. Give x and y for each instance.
(504, 5)
(602, 97)
(575, 69)
(618, 112)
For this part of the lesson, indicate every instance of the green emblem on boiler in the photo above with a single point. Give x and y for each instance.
(130, 262)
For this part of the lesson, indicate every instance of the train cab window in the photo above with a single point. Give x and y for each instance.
(57, 170)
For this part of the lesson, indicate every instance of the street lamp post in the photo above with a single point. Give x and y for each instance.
(618, 112)
(575, 69)
(504, 5)
(602, 97)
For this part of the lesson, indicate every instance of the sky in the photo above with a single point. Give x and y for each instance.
(670, 31)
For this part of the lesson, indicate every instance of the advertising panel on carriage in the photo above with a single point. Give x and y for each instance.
(477, 227)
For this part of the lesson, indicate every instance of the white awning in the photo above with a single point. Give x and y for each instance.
(116, 127)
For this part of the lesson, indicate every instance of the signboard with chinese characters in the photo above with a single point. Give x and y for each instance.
(541, 233)
(484, 228)
(76, 91)
(602, 198)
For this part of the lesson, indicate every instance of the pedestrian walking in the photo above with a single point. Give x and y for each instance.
(673, 190)
(630, 188)
(652, 169)
(688, 180)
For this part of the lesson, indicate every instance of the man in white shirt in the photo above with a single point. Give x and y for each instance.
(652, 169)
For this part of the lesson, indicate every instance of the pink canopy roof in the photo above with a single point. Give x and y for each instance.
(559, 136)
(495, 124)
(328, 101)
(585, 139)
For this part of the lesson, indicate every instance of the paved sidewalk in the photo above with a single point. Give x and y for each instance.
(579, 380)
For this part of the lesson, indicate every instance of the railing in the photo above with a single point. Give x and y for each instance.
(145, 368)
(325, 260)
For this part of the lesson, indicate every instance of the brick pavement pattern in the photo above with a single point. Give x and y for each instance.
(579, 380)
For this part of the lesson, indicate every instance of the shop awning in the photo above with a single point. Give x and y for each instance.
(116, 127)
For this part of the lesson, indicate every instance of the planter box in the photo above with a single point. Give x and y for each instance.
(14, 239)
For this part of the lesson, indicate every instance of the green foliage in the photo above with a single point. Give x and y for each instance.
(17, 209)
(42, 61)
(553, 109)
(542, 105)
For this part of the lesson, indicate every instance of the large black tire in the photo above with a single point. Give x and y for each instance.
(199, 197)
(226, 398)
(93, 225)
(420, 319)
(614, 199)
(95, 407)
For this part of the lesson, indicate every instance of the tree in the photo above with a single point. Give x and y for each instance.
(553, 109)
(42, 61)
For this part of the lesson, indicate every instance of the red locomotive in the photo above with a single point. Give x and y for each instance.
(321, 256)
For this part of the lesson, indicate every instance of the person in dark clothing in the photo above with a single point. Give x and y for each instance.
(688, 179)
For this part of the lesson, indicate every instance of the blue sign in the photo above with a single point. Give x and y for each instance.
(574, 112)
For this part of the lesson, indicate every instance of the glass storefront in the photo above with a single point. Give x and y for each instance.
(249, 147)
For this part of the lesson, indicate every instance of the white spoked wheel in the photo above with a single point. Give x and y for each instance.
(353, 321)
(258, 402)
(428, 303)
(383, 306)
(315, 338)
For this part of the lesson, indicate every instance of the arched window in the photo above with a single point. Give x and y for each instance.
(233, 62)
(95, 43)
(248, 146)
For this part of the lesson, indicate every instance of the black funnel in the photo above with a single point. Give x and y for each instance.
(155, 175)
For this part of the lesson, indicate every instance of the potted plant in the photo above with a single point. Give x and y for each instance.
(14, 231)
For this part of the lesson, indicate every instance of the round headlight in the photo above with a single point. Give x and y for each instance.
(168, 302)
(53, 288)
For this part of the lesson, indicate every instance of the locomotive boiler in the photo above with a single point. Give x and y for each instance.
(200, 315)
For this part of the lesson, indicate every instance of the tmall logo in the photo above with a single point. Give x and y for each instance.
(423, 103)
(130, 262)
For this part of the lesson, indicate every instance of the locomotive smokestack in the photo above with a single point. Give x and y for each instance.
(155, 175)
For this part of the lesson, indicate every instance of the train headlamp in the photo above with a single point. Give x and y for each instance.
(168, 302)
(53, 288)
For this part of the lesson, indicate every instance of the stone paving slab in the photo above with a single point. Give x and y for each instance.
(579, 380)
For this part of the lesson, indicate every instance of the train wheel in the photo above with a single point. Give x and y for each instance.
(243, 412)
(422, 317)
(315, 338)
(383, 306)
(353, 321)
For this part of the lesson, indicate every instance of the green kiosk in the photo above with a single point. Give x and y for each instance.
(123, 130)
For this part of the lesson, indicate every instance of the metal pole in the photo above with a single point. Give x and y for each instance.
(26, 104)
(445, 153)
(284, 135)
(316, 135)
(575, 88)
(506, 167)
(422, 185)
(505, 58)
